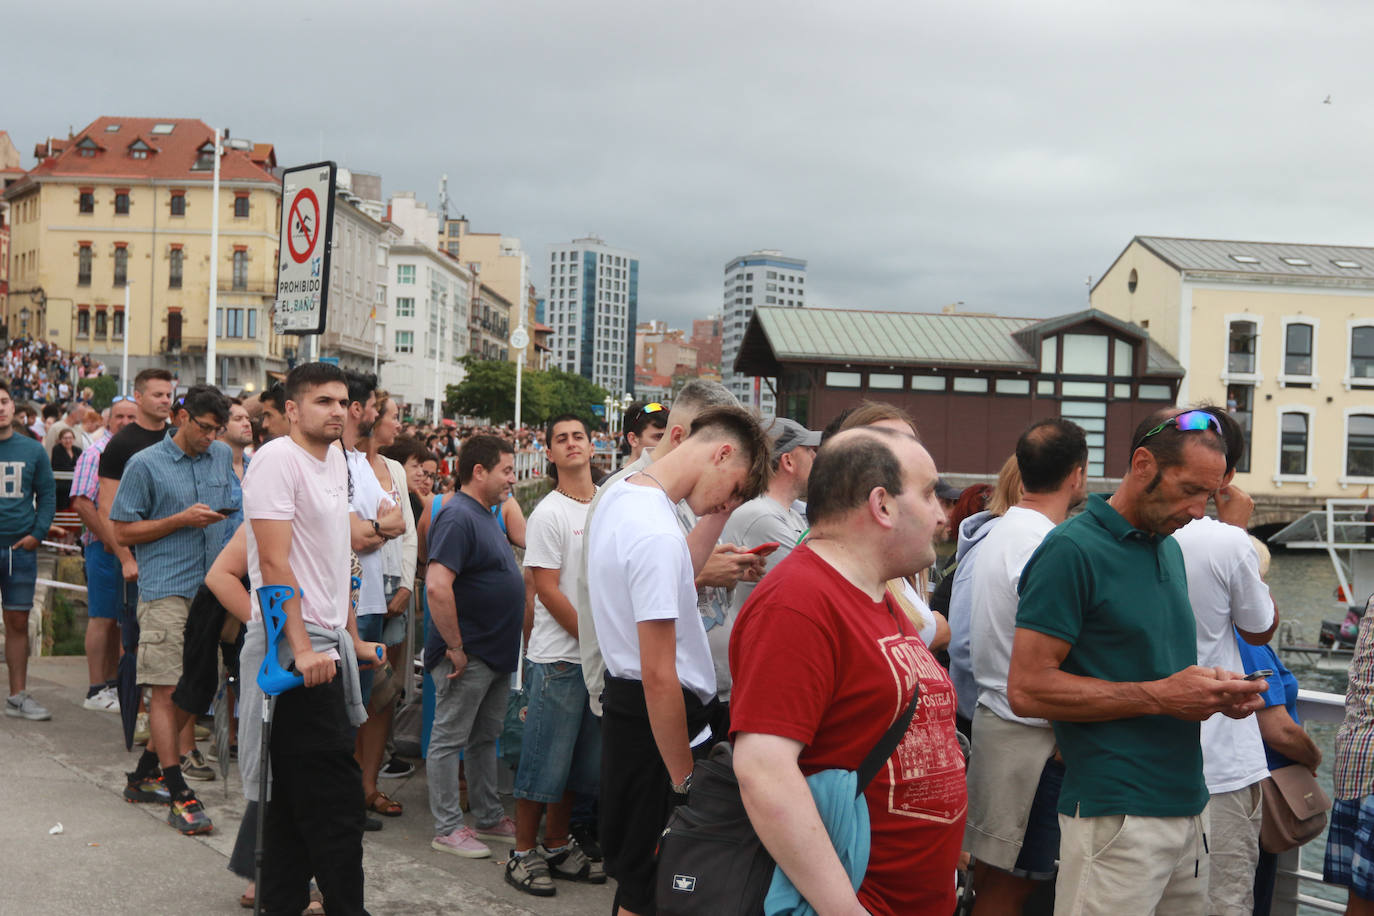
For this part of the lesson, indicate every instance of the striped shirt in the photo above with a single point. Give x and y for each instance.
(1353, 775)
(86, 478)
(159, 482)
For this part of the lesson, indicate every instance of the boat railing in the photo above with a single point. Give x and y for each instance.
(1292, 890)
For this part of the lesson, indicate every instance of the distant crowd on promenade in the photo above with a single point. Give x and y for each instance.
(1068, 688)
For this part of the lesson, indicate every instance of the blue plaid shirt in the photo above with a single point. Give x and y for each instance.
(161, 481)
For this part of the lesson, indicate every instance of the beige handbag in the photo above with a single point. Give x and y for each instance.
(1294, 809)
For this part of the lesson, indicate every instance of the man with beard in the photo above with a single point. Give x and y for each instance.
(1106, 650)
(1014, 778)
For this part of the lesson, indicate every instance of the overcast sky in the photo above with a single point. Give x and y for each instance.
(916, 154)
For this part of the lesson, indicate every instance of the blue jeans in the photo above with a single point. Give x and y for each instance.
(560, 747)
(18, 573)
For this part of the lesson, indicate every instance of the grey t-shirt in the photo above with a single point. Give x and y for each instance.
(758, 521)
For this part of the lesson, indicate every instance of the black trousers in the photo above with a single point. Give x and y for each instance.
(636, 792)
(315, 816)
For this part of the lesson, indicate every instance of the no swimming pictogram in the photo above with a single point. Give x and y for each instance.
(303, 227)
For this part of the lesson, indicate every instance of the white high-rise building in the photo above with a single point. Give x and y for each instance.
(764, 277)
(592, 306)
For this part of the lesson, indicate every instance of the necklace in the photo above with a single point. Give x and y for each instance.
(578, 499)
(655, 480)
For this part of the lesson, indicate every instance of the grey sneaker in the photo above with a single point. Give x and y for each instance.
(530, 873)
(193, 766)
(23, 706)
(571, 864)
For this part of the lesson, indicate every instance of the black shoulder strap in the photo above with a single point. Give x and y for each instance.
(887, 743)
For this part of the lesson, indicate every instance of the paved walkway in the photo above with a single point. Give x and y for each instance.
(115, 858)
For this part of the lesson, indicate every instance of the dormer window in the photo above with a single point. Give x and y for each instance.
(87, 148)
(139, 150)
(205, 156)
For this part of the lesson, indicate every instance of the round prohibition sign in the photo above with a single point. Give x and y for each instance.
(302, 226)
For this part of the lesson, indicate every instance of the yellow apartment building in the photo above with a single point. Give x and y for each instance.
(1283, 334)
(503, 268)
(123, 206)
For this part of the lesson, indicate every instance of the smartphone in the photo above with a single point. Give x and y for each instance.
(764, 549)
(229, 511)
(1261, 673)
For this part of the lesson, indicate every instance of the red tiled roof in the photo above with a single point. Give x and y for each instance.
(174, 157)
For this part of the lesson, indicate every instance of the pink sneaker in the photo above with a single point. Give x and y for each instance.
(503, 831)
(462, 842)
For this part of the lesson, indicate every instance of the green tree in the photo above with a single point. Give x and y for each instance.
(488, 390)
(103, 390)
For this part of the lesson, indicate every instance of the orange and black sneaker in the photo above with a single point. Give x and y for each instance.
(146, 790)
(187, 815)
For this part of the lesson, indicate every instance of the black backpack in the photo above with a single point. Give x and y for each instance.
(710, 860)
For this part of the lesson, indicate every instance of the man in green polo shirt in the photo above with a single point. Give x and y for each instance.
(1106, 649)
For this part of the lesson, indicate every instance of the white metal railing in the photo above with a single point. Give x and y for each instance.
(1313, 706)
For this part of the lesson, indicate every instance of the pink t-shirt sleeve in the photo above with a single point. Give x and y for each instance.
(269, 490)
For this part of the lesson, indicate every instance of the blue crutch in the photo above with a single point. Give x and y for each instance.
(273, 680)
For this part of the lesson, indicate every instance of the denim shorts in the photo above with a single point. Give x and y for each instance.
(369, 630)
(104, 582)
(1040, 848)
(18, 572)
(1350, 846)
(560, 748)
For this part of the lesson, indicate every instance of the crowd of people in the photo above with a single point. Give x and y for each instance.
(1072, 679)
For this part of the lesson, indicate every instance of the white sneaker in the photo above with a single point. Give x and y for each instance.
(106, 700)
(23, 706)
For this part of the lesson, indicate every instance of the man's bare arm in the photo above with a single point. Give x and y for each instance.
(784, 815)
(274, 550)
(663, 695)
(1037, 686)
(553, 599)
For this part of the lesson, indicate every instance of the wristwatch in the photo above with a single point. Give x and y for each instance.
(685, 786)
(377, 529)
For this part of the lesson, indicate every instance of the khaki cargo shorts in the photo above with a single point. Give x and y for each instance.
(161, 628)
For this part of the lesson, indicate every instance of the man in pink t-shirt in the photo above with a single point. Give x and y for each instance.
(295, 499)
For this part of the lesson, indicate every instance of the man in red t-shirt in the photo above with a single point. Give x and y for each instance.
(823, 663)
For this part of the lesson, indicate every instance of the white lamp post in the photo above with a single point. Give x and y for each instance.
(519, 340)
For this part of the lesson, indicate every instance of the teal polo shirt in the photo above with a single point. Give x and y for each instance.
(1119, 597)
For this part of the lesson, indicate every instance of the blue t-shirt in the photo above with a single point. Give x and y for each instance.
(488, 588)
(1283, 689)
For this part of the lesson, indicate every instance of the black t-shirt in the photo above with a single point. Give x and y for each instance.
(488, 587)
(127, 443)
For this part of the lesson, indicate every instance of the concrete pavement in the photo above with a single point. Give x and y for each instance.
(116, 858)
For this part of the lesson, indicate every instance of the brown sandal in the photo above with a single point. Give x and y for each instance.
(380, 803)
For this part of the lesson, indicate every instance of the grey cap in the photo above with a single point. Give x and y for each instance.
(947, 491)
(785, 435)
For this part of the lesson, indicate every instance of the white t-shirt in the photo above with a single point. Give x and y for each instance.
(1225, 588)
(923, 611)
(992, 623)
(638, 569)
(284, 482)
(367, 493)
(555, 539)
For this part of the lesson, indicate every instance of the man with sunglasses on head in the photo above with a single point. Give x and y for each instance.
(1105, 648)
(645, 425)
(171, 507)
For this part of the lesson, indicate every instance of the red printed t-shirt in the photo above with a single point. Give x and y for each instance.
(816, 660)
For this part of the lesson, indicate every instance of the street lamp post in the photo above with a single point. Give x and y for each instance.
(519, 340)
(210, 334)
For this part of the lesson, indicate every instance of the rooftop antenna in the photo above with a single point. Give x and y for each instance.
(443, 199)
(1089, 284)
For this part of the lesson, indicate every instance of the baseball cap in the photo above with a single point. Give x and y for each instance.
(946, 490)
(785, 435)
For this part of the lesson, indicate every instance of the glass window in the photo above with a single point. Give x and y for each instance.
(101, 323)
(178, 204)
(1013, 386)
(405, 307)
(83, 323)
(887, 381)
(174, 269)
(1240, 404)
(83, 266)
(1297, 350)
(252, 315)
(1092, 416)
(1362, 352)
(1078, 409)
(241, 206)
(1085, 354)
(405, 341)
(240, 277)
(843, 379)
(121, 202)
(1085, 389)
(1293, 443)
(117, 325)
(1154, 393)
(1121, 390)
(87, 202)
(1240, 357)
(927, 383)
(1045, 388)
(1123, 357)
(121, 266)
(1047, 355)
(1359, 446)
(969, 385)
(405, 274)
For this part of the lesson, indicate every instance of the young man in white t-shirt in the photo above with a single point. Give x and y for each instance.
(1013, 777)
(560, 753)
(660, 679)
(1226, 592)
(296, 503)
